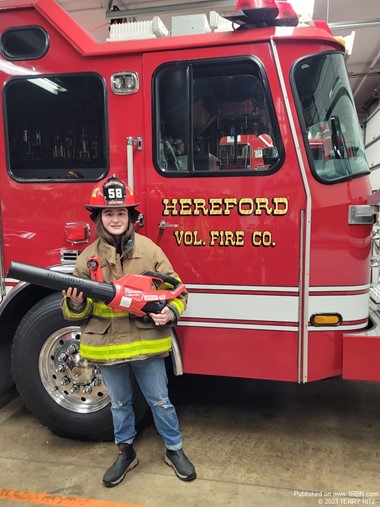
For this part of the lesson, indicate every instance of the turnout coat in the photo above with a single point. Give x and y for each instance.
(110, 337)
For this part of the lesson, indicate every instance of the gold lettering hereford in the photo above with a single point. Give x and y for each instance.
(224, 207)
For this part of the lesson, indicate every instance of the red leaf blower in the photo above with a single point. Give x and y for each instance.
(136, 294)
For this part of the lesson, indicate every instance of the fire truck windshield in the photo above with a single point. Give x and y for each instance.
(327, 113)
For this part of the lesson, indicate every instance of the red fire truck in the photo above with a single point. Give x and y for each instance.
(277, 260)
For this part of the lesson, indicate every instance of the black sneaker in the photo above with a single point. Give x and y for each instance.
(125, 461)
(183, 467)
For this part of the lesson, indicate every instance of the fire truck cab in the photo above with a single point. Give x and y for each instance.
(222, 135)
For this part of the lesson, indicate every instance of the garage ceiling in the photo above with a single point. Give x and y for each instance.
(363, 17)
(343, 16)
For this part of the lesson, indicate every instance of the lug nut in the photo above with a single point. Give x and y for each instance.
(74, 389)
(87, 390)
(62, 357)
(65, 381)
(60, 368)
(71, 350)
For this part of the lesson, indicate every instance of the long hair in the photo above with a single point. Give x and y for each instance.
(122, 243)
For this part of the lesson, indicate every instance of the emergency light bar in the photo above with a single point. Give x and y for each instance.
(286, 15)
(263, 12)
(258, 10)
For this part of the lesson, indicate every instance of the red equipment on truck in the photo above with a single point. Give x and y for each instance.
(275, 254)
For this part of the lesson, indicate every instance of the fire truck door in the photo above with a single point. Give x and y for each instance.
(230, 224)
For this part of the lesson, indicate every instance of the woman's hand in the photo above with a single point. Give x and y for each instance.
(166, 315)
(74, 294)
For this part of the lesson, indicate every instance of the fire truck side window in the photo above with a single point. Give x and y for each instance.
(327, 113)
(55, 127)
(24, 43)
(215, 117)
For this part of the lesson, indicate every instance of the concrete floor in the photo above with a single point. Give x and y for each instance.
(254, 443)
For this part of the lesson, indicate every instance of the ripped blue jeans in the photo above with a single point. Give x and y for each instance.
(151, 377)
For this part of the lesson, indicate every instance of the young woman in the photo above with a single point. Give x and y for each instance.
(119, 341)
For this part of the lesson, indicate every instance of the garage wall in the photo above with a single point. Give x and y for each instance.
(90, 15)
(372, 146)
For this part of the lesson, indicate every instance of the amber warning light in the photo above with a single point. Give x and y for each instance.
(326, 319)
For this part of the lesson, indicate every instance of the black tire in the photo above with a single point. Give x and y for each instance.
(73, 402)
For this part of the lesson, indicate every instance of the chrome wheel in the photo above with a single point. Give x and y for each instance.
(74, 383)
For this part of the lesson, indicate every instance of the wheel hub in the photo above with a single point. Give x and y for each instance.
(74, 383)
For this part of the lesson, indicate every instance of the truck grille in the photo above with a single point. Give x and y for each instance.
(69, 256)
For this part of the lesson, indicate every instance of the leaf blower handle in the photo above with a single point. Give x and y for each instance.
(163, 278)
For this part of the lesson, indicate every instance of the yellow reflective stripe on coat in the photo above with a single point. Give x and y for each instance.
(106, 312)
(71, 314)
(178, 304)
(126, 350)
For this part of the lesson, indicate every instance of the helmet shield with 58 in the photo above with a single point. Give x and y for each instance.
(112, 193)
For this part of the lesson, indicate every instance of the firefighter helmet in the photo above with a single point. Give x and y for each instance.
(112, 193)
